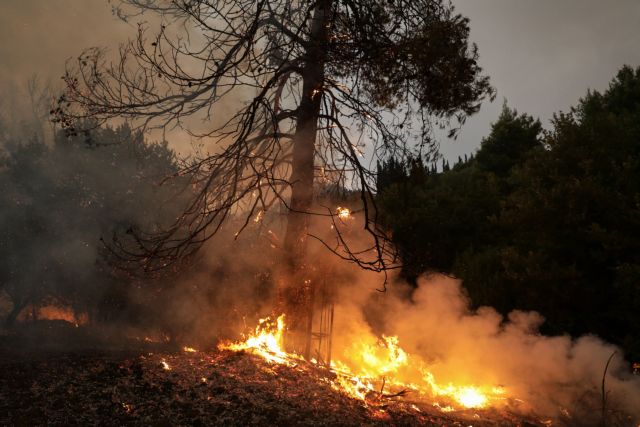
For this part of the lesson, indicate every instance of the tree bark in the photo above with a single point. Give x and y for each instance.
(15, 311)
(295, 287)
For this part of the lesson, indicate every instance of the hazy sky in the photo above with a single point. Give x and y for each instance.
(542, 55)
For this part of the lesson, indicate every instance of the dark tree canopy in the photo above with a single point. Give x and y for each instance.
(511, 139)
(544, 221)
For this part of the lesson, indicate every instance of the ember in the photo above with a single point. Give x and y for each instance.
(343, 213)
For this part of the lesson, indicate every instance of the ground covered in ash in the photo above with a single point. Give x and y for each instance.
(163, 387)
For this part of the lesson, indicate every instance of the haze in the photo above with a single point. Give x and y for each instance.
(541, 55)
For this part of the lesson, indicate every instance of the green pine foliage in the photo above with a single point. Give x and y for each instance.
(546, 221)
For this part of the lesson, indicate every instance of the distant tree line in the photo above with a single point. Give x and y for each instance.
(70, 205)
(59, 200)
(536, 220)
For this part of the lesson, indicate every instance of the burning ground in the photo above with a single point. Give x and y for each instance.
(507, 375)
(411, 356)
(199, 388)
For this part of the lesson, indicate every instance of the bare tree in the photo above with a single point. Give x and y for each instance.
(323, 87)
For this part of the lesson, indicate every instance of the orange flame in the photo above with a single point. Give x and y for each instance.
(369, 366)
(266, 341)
(343, 213)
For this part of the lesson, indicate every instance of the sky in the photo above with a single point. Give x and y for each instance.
(541, 55)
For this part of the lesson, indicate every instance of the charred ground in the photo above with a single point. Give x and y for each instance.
(155, 384)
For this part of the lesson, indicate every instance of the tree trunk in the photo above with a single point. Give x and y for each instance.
(295, 289)
(15, 311)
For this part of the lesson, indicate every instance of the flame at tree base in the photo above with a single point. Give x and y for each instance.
(370, 367)
(266, 341)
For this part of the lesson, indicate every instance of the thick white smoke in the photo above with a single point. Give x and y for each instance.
(552, 376)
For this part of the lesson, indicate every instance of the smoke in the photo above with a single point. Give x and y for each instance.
(550, 376)
(225, 293)
(559, 377)
(39, 36)
(40, 39)
(230, 287)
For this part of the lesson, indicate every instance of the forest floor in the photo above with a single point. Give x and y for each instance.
(155, 386)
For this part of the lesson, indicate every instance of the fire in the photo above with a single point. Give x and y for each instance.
(189, 349)
(470, 397)
(369, 366)
(379, 358)
(343, 213)
(467, 396)
(54, 312)
(266, 341)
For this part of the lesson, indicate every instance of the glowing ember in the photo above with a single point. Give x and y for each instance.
(369, 366)
(165, 365)
(189, 349)
(343, 213)
(54, 312)
(443, 408)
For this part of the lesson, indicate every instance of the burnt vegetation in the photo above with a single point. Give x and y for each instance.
(110, 240)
